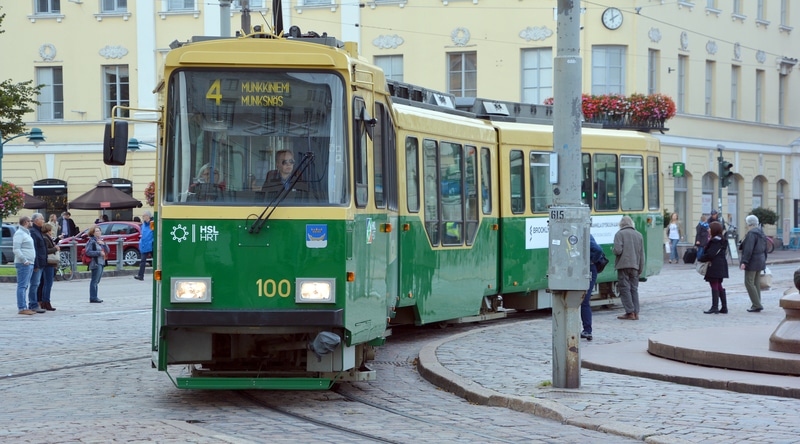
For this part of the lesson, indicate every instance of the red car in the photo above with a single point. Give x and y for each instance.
(130, 232)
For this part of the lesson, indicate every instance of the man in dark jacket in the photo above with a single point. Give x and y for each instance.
(629, 252)
(66, 226)
(38, 264)
(754, 261)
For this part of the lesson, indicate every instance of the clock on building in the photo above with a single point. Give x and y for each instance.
(612, 18)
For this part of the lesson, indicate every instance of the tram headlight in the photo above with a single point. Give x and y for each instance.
(190, 290)
(315, 291)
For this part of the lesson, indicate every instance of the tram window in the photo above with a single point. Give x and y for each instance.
(377, 160)
(586, 180)
(605, 185)
(517, 182)
(360, 151)
(486, 180)
(412, 174)
(390, 184)
(430, 169)
(632, 182)
(540, 182)
(452, 178)
(653, 194)
(471, 202)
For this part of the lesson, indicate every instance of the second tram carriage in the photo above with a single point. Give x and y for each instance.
(398, 206)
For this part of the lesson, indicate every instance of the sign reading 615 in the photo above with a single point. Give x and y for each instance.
(269, 288)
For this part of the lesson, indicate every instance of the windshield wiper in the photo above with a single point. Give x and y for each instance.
(308, 158)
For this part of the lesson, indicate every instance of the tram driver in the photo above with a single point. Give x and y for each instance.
(281, 179)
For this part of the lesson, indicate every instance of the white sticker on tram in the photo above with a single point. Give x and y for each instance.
(603, 229)
(193, 233)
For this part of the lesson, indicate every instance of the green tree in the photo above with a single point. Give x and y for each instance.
(16, 100)
(765, 215)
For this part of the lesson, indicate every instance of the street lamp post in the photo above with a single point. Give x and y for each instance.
(35, 136)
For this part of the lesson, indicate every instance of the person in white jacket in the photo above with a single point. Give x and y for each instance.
(24, 257)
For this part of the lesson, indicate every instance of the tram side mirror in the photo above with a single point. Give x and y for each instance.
(115, 147)
(368, 122)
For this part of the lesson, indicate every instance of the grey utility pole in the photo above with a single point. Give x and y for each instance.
(568, 271)
(225, 18)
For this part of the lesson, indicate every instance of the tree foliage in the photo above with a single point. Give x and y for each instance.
(16, 100)
(765, 215)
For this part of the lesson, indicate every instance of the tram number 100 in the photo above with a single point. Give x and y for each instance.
(269, 288)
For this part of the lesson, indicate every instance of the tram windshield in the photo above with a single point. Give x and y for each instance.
(242, 137)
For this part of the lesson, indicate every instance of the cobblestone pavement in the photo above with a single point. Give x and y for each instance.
(514, 361)
(82, 374)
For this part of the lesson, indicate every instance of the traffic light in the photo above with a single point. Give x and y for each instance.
(725, 173)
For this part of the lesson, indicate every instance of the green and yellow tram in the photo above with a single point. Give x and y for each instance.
(304, 205)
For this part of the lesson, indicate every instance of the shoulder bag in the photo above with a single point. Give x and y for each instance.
(702, 267)
(53, 259)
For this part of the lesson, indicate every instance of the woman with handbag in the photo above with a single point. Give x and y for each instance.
(50, 270)
(717, 270)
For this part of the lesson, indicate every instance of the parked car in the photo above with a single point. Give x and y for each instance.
(130, 232)
(8, 243)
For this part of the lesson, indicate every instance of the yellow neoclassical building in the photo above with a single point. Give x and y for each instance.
(728, 64)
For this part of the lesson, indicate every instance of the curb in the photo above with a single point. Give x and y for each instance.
(85, 275)
(432, 371)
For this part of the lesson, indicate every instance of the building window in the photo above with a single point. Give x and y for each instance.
(48, 6)
(735, 74)
(737, 6)
(759, 94)
(462, 74)
(608, 69)
(709, 188)
(254, 4)
(316, 2)
(392, 66)
(115, 6)
(709, 95)
(682, 65)
(652, 71)
(732, 210)
(782, 88)
(779, 209)
(785, 12)
(758, 192)
(51, 96)
(761, 10)
(537, 75)
(181, 5)
(679, 194)
(116, 90)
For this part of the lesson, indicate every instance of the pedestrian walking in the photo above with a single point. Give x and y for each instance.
(97, 250)
(629, 253)
(717, 271)
(39, 264)
(24, 257)
(753, 261)
(145, 244)
(674, 233)
(701, 235)
(595, 255)
(66, 226)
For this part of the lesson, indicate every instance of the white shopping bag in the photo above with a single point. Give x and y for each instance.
(766, 279)
(667, 247)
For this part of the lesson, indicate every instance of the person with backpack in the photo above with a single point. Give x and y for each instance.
(717, 270)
